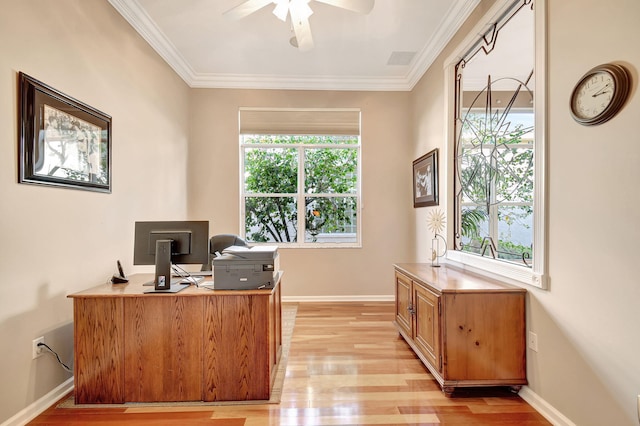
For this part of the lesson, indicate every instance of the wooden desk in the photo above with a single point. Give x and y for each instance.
(195, 345)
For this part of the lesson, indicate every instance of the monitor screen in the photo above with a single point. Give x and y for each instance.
(189, 241)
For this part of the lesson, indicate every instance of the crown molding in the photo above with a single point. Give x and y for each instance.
(137, 17)
(455, 17)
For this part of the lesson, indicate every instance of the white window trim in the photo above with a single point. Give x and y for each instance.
(537, 276)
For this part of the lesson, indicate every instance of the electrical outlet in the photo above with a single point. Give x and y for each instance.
(533, 341)
(36, 350)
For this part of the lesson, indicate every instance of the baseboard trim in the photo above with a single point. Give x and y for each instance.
(37, 407)
(544, 408)
(366, 298)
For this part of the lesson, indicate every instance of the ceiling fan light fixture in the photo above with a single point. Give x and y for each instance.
(282, 9)
(299, 12)
(300, 8)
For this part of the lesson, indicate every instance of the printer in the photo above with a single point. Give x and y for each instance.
(246, 268)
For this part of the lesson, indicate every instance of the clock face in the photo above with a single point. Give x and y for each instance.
(593, 95)
(600, 94)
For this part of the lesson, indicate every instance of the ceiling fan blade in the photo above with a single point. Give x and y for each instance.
(246, 8)
(359, 6)
(302, 30)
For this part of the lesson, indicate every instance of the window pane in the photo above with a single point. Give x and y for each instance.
(514, 240)
(271, 170)
(331, 170)
(495, 158)
(515, 230)
(474, 227)
(331, 219)
(271, 219)
(515, 181)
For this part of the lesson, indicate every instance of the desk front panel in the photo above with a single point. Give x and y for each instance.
(98, 340)
(163, 348)
(236, 346)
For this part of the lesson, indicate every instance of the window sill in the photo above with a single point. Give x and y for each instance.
(503, 271)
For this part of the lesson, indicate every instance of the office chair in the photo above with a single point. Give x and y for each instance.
(219, 242)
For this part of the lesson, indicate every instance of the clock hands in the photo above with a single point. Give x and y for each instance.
(602, 91)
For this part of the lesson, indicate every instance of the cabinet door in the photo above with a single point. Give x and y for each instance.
(485, 336)
(404, 318)
(427, 325)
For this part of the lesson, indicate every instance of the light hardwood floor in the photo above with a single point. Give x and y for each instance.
(347, 366)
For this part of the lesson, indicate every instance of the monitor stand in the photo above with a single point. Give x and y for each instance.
(174, 288)
(162, 282)
(162, 278)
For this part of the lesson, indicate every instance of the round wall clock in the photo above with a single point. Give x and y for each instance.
(600, 94)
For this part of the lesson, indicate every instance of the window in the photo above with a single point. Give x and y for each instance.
(494, 185)
(498, 144)
(301, 177)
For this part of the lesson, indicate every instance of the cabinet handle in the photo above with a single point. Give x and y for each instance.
(411, 310)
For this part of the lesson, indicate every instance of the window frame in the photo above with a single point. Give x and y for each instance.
(537, 275)
(301, 194)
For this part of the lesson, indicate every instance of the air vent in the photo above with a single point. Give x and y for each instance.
(401, 58)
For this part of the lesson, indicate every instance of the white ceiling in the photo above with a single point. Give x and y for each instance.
(351, 51)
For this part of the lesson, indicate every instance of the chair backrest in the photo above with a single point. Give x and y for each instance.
(219, 242)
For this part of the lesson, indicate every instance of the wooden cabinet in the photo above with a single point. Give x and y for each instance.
(468, 330)
(194, 345)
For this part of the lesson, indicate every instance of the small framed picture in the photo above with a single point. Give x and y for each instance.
(425, 180)
(62, 142)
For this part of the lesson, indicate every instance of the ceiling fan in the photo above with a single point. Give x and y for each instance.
(299, 10)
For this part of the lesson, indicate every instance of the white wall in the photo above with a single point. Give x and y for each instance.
(59, 241)
(587, 366)
(386, 186)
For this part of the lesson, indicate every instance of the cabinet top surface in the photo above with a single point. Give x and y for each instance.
(448, 279)
(136, 288)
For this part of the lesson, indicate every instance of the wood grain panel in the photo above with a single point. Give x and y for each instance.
(99, 348)
(240, 370)
(275, 326)
(485, 336)
(404, 319)
(163, 348)
(427, 325)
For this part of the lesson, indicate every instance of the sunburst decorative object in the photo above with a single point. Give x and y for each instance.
(436, 221)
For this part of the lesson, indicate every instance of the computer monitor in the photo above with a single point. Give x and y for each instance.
(170, 242)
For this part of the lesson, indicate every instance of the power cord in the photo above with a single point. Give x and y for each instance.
(66, 368)
(186, 276)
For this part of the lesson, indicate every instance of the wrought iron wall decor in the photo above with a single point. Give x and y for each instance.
(494, 137)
